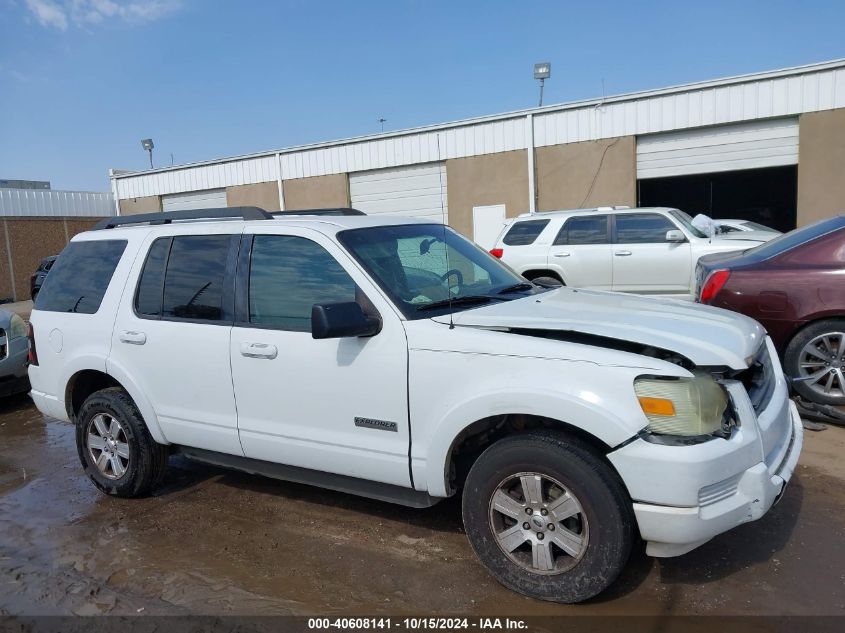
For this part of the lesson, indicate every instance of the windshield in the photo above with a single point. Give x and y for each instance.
(423, 275)
(794, 238)
(686, 222)
(753, 226)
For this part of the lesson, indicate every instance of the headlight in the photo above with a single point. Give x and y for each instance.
(686, 407)
(17, 327)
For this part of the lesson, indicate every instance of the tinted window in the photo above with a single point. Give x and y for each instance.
(193, 284)
(783, 243)
(288, 275)
(584, 230)
(641, 228)
(151, 284)
(524, 233)
(80, 277)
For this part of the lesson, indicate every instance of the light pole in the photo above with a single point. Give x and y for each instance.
(542, 71)
(382, 120)
(148, 145)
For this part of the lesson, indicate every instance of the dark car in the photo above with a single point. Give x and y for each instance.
(795, 286)
(37, 278)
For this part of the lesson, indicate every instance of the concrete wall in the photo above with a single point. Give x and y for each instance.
(262, 194)
(587, 174)
(29, 241)
(318, 192)
(821, 165)
(133, 206)
(484, 180)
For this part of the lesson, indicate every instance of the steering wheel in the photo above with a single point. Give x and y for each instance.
(453, 271)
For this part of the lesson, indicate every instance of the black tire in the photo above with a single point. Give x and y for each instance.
(586, 475)
(792, 359)
(147, 460)
(34, 293)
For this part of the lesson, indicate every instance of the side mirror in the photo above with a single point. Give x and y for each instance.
(341, 320)
(675, 236)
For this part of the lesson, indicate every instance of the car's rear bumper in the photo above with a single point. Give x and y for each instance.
(671, 531)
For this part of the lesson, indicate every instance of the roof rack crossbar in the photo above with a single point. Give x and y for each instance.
(244, 213)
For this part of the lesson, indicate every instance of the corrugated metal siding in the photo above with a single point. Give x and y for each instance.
(37, 202)
(417, 191)
(767, 143)
(766, 95)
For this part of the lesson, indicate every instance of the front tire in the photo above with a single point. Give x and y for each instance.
(548, 517)
(815, 361)
(116, 450)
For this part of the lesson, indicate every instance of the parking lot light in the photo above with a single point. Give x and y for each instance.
(542, 71)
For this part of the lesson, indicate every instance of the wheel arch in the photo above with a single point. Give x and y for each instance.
(473, 426)
(85, 381)
(534, 273)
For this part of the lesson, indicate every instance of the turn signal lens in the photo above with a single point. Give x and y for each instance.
(715, 282)
(497, 252)
(657, 406)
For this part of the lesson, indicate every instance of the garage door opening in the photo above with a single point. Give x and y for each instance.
(768, 196)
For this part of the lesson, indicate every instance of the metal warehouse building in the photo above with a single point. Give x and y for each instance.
(768, 147)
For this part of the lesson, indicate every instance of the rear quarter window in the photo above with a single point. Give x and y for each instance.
(524, 233)
(80, 277)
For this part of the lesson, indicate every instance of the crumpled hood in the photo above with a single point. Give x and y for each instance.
(705, 335)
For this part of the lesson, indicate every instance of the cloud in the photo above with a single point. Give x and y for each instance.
(48, 13)
(61, 13)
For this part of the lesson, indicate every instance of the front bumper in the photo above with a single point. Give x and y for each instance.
(672, 531)
(685, 495)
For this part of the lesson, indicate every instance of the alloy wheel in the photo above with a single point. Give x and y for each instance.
(821, 362)
(538, 523)
(108, 445)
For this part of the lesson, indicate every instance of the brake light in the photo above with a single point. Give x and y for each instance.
(32, 355)
(497, 252)
(714, 284)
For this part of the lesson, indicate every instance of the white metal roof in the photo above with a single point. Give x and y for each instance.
(49, 202)
(771, 94)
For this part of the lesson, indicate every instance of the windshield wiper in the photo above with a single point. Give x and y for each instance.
(516, 288)
(457, 301)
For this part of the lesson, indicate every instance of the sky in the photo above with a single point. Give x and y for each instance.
(83, 81)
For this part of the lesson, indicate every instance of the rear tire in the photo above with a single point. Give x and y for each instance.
(576, 502)
(815, 355)
(116, 450)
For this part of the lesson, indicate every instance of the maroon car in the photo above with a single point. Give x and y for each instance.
(795, 286)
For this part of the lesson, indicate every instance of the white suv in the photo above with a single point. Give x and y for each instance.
(395, 359)
(650, 251)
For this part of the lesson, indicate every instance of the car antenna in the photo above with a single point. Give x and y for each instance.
(445, 245)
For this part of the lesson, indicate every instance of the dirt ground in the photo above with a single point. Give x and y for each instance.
(217, 542)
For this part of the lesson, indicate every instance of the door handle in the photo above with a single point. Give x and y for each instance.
(259, 350)
(132, 337)
(622, 253)
(561, 254)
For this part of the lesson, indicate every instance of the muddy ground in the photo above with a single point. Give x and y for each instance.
(218, 542)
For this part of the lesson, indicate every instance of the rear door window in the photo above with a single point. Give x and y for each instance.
(80, 277)
(194, 279)
(583, 230)
(524, 233)
(642, 228)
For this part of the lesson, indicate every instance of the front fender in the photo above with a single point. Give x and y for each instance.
(432, 467)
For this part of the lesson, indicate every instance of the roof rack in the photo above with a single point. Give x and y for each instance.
(337, 211)
(243, 213)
